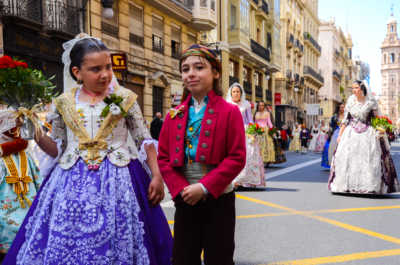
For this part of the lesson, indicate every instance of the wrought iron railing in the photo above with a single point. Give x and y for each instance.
(269, 94)
(109, 29)
(310, 71)
(247, 87)
(27, 9)
(337, 75)
(289, 74)
(264, 7)
(60, 16)
(136, 39)
(296, 78)
(233, 79)
(158, 44)
(260, 50)
(307, 36)
(259, 91)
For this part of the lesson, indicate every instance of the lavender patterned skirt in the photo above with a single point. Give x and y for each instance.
(93, 217)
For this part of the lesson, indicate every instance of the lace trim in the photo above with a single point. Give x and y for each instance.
(143, 155)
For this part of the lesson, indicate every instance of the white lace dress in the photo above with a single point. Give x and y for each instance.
(362, 162)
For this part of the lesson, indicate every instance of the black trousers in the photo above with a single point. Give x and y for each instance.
(210, 226)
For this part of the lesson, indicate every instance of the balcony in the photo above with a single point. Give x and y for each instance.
(53, 15)
(136, 39)
(247, 88)
(290, 41)
(268, 94)
(311, 74)
(337, 75)
(264, 7)
(204, 15)
(260, 51)
(110, 29)
(178, 9)
(289, 75)
(259, 93)
(308, 38)
(158, 44)
(232, 80)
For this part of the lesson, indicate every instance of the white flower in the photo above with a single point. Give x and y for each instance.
(115, 109)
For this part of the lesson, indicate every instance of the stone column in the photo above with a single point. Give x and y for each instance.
(253, 85)
(241, 70)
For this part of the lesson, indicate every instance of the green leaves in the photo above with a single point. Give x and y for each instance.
(113, 99)
(25, 87)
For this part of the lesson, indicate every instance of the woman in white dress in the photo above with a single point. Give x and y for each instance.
(362, 162)
(314, 135)
(321, 137)
(253, 174)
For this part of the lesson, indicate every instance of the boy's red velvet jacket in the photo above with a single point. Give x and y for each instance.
(221, 143)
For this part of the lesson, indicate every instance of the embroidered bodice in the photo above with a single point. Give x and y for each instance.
(263, 120)
(113, 145)
(359, 111)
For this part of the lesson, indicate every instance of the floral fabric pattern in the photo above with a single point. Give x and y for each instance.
(11, 213)
(85, 217)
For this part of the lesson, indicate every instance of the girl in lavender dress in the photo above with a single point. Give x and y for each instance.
(97, 205)
(253, 173)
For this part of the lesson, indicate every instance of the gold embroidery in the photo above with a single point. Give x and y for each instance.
(20, 182)
(65, 104)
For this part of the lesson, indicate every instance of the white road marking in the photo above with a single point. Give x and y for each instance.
(291, 169)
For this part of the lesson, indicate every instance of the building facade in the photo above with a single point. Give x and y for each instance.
(390, 71)
(312, 52)
(290, 80)
(34, 30)
(152, 34)
(337, 67)
(245, 40)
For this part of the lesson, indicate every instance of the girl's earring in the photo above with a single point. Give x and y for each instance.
(79, 81)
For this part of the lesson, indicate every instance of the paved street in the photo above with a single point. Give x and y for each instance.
(295, 220)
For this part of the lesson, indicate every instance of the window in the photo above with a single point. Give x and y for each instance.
(213, 5)
(203, 3)
(384, 59)
(244, 16)
(231, 68)
(158, 93)
(258, 37)
(233, 16)
(269, 40)
(391, 28)
(136, 34)
(175, 42)
(158, 34)
(392, 58)
(109, 26)
(256, 79)
(191, 39)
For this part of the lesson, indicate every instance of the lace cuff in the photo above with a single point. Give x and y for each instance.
(143, 155)
(47, 163)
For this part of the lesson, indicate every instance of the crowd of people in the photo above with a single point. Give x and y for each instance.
(94, 197)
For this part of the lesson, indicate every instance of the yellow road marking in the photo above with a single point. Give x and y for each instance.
(326, 220)
(375, 208)
(342, 258)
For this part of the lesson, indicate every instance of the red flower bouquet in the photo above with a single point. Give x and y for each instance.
(21, 86)
(382, 124)
(254, 129)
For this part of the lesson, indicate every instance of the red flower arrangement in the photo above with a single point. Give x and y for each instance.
(382, 123)
(254, 128)
(7, 62)
(21, 86)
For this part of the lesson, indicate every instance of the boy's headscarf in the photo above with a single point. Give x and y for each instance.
(202, 51)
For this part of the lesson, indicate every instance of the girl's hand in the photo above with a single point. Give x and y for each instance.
(192, 194)
(156, 190)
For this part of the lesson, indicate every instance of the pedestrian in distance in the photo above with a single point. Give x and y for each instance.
(97, 205)
(201, 150)
(156, 125)
(304, 137)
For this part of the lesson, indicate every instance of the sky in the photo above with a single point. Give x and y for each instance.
(366, 22)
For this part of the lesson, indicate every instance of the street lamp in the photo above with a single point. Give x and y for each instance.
(107, 8)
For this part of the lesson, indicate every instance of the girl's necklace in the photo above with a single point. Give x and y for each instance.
(93, 96)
